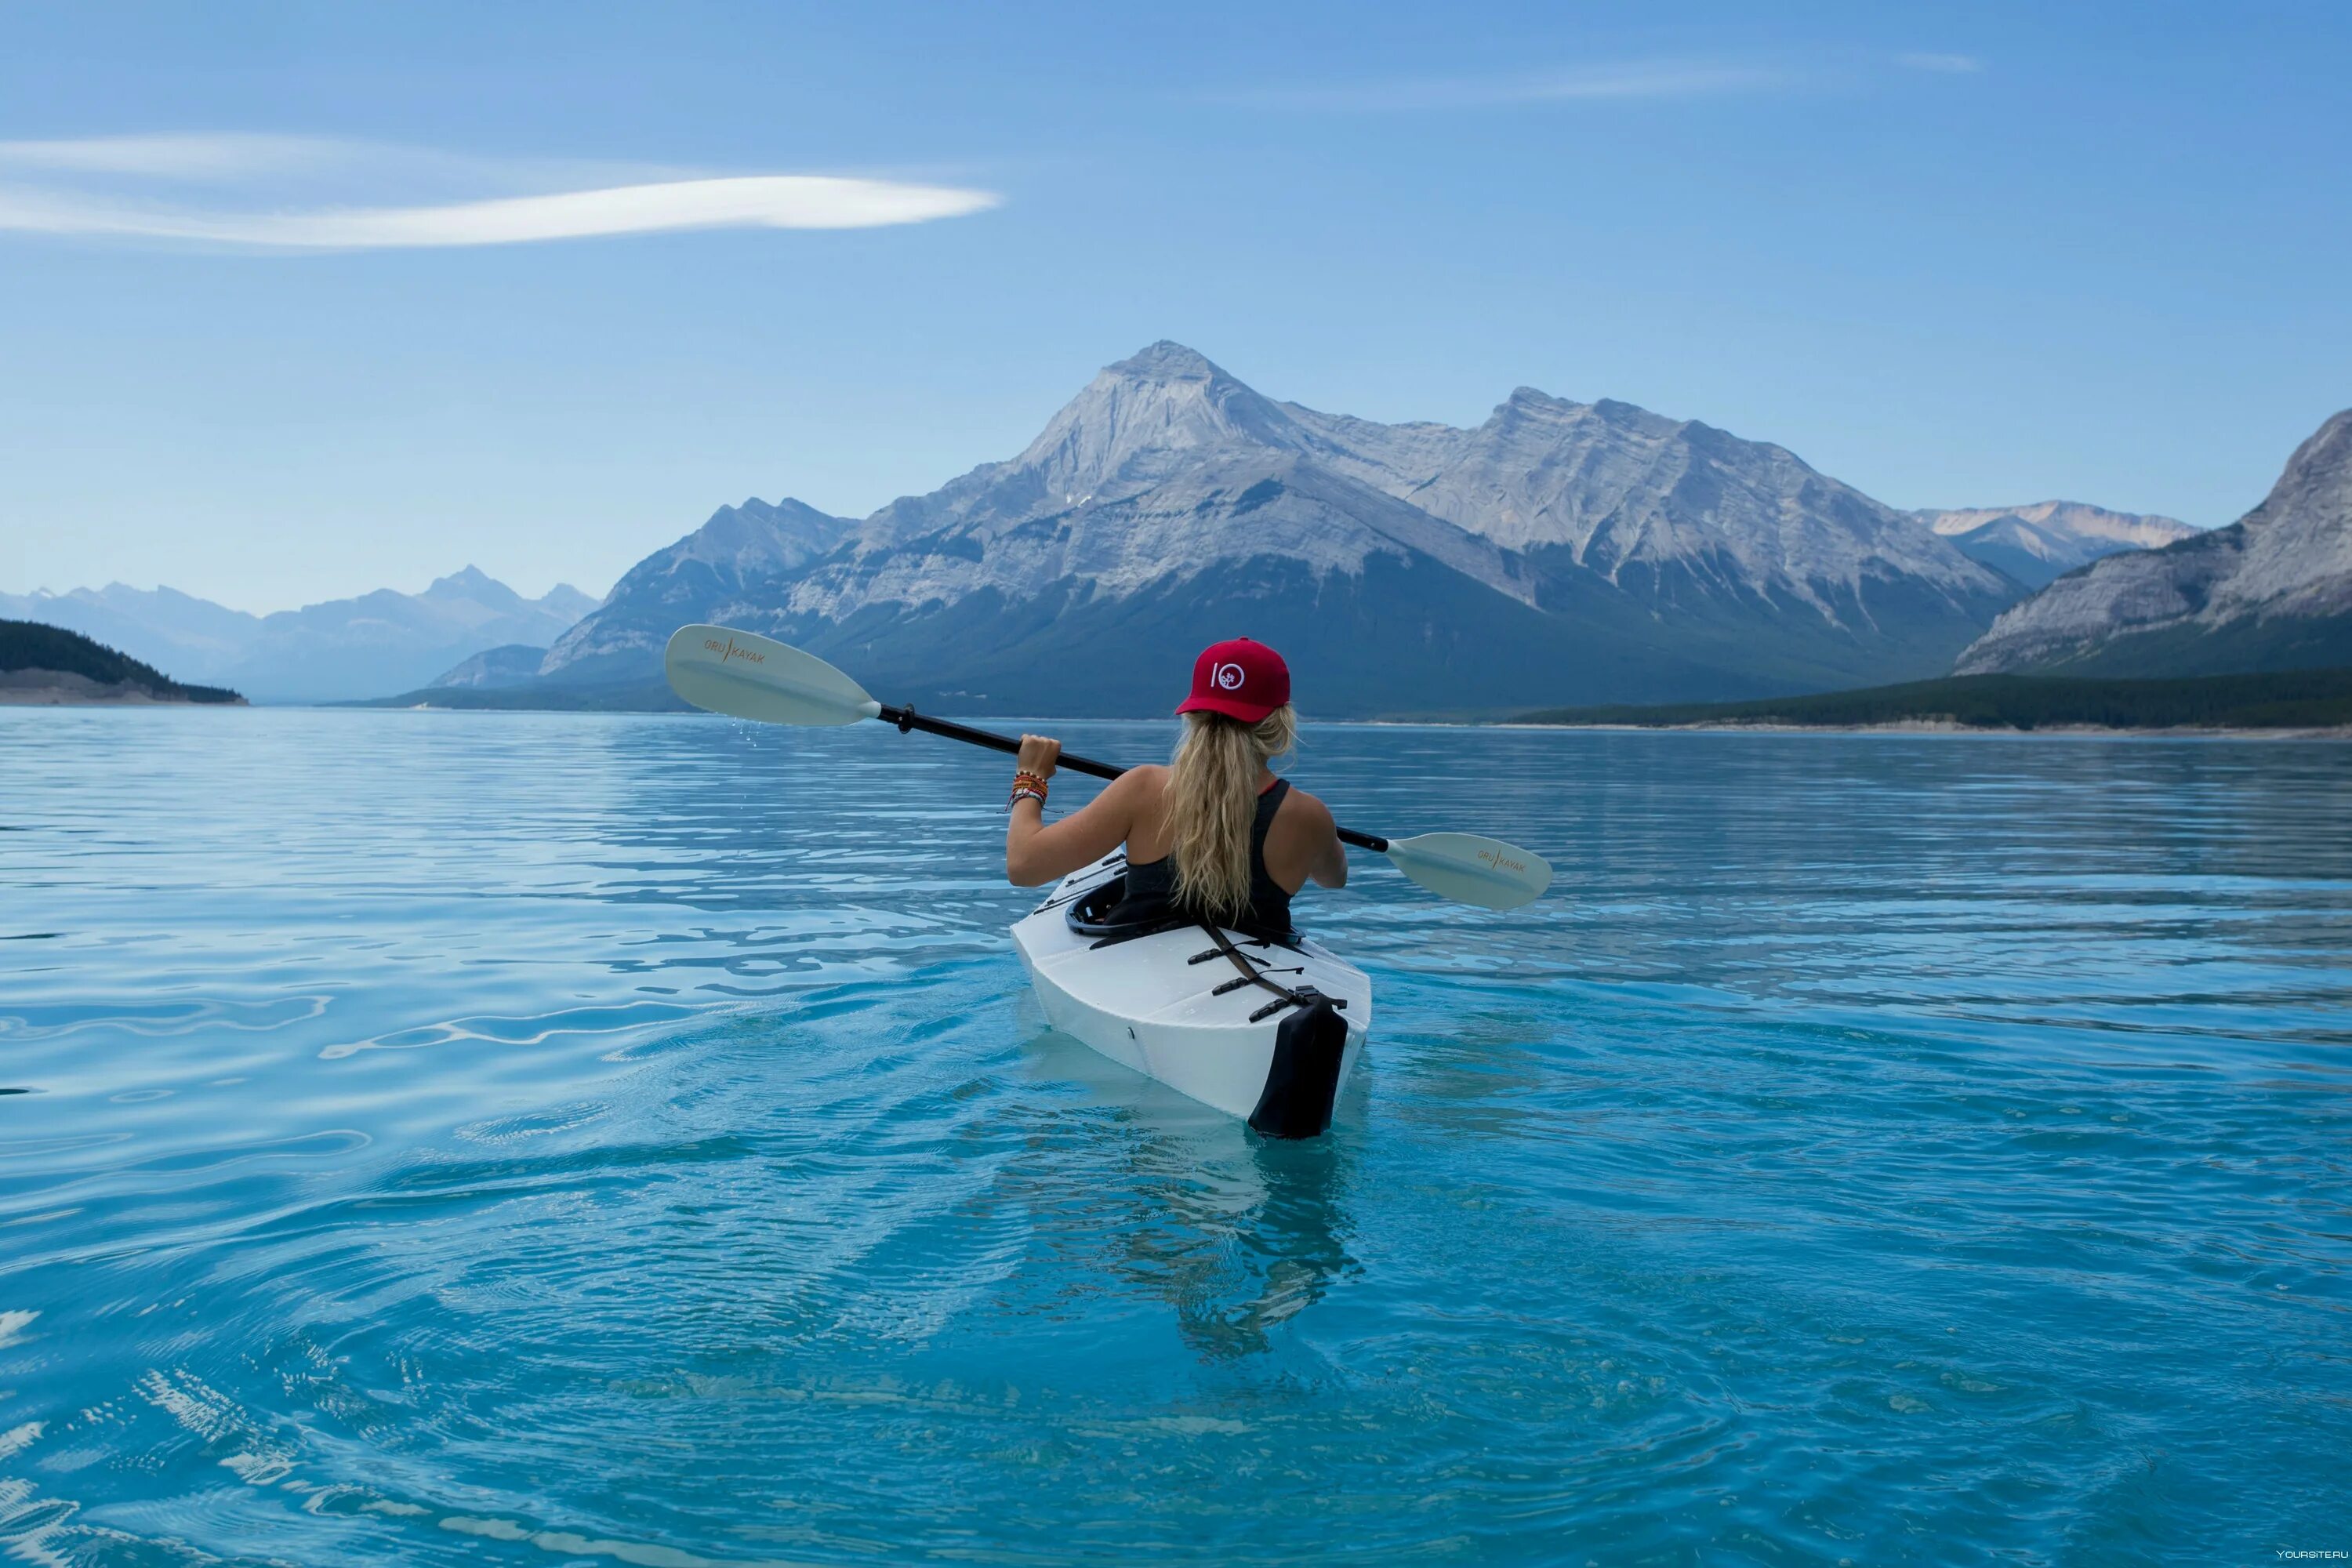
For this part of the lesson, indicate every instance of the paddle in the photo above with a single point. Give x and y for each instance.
(747, 676)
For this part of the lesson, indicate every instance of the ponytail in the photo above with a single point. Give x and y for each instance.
(1212, 801)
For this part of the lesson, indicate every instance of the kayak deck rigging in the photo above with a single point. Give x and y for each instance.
(1082, 911)
(1136, 994)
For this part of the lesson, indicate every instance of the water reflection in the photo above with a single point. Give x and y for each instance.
(1237, 1233)
(1293, 1245)
(1242, 1243)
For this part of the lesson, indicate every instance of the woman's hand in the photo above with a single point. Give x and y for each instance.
(1039, 754)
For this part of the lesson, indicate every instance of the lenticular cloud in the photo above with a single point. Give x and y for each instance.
(54, 201)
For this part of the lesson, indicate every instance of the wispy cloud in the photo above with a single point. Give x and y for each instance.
(280, 192)
(1619, 81)
(174, 156)
(760, 201)
(231, 159)
(1623, 80)
(1951, 65)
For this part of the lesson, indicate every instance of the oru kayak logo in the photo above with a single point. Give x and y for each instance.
(727, 649)
(1228, 678)
(1500, 861)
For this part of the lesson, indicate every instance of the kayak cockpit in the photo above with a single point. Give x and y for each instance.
(1264, 1027)
(1088, 914)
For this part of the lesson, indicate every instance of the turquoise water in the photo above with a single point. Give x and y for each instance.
(553, 1139)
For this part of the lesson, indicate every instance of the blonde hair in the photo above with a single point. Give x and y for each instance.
(1212, 801)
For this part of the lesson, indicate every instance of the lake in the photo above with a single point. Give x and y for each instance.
(478, 1138)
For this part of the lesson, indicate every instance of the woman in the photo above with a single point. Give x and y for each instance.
(1214, 835)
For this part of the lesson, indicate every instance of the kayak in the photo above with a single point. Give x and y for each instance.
(1263, 1027)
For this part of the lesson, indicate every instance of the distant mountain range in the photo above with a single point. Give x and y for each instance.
(1558, 551)
(2038, 543)
(345, 649)
(2271, 591)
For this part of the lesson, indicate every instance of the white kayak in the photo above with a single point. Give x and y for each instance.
(1265, 1030)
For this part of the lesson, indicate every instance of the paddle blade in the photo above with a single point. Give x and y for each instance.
(1472, 870)
(746, 676)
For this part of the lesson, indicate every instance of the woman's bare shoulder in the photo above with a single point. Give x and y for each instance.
(1310, 809)
(1138, 788)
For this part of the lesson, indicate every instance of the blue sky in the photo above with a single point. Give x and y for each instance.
(271, 335)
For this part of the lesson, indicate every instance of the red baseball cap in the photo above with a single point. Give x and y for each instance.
(1240, 678)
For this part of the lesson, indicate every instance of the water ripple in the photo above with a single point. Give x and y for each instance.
(463, 1139)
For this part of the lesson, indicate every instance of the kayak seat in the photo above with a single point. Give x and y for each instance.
(1087, 912)
(1088, 916)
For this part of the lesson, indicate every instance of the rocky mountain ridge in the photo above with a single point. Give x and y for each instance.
(709, 575)
(2272, 590)
(1557, 549)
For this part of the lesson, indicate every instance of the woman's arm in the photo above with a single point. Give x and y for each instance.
(1035, 854)
(1304, 842)
(1327, 862)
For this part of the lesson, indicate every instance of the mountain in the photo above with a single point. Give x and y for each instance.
(509, 664)
(388, 641)
(379, 642)
(563, 602)
(707, 575)
(2038, 543)
(46, 665)
(164, 626)
(1557, 552)
(2272, 590)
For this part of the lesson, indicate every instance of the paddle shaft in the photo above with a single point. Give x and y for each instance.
(907, 719)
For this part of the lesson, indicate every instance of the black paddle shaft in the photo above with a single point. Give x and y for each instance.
(907, 719)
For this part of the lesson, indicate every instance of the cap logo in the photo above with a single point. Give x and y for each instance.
(1228, 677)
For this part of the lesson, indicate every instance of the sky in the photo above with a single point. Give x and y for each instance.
(298, 302)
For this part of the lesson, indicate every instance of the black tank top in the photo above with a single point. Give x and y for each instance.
(1151, 884)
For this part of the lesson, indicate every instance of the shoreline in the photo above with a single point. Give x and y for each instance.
(70, 690)
(135, 698)
(1953, 727)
